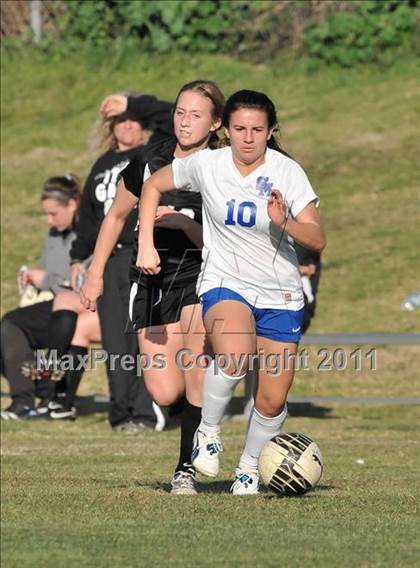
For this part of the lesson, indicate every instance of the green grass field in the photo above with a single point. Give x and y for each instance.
(78, 494)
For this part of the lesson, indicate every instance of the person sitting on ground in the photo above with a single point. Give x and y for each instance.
(25, 329)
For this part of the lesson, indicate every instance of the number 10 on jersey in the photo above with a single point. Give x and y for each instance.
(245, 213)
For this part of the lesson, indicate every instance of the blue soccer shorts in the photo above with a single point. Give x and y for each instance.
(277, 325)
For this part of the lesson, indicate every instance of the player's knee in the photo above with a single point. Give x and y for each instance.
(270, 406)
(80, 338)
(235, 372)
(165, 399)
(235, 366)
(165, 396)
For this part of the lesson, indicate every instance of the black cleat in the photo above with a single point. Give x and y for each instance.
(60, 412)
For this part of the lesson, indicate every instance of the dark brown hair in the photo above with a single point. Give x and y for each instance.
(258, 101)
(62, 189)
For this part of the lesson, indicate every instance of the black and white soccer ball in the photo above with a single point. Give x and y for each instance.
(290, 464)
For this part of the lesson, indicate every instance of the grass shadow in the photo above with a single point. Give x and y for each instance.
(309, 495)
(94, 404)
(156, 485)
(221, 486)
(308, 409)
(90, 405)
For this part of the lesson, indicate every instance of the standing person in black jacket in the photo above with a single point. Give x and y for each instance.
(146, 119)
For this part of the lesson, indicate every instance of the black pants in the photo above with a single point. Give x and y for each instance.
(22, 331)
(310, 307)
(129, 396)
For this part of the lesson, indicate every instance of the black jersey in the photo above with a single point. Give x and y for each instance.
(98, 195)
(179, 256)
(101, 184)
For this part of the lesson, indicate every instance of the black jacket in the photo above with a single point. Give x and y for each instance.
(101, 184)
(98, 195)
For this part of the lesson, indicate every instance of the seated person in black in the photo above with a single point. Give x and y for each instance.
(26, 329)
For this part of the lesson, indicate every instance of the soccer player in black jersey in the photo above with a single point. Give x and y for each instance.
(165, 309)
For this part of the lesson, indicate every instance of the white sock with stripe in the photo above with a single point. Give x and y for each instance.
(217, 393)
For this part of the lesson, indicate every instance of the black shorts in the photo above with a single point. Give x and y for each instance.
(151, 305)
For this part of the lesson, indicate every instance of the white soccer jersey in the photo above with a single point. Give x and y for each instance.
(243, 249)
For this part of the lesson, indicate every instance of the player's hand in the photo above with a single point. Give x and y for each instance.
(76, 269)
(168, 218)
(91, 290)
(114, 105)
(148, 261)
(277, 208)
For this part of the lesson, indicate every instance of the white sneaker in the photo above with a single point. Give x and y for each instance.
(246, 483)
(183, 483)
(205, 453)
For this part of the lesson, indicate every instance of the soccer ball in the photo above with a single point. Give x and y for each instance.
(290, 464)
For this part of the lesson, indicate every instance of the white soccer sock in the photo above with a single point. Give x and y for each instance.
(217, 393)
(260, 430)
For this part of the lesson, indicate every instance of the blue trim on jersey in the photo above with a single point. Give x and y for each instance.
(278, 325)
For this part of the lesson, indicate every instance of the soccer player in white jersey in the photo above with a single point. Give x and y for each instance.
(256, 199)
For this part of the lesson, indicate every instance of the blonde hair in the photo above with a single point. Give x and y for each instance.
(102, 138)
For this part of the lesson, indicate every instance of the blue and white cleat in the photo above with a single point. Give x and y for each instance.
(246, 483)
(205, 453)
